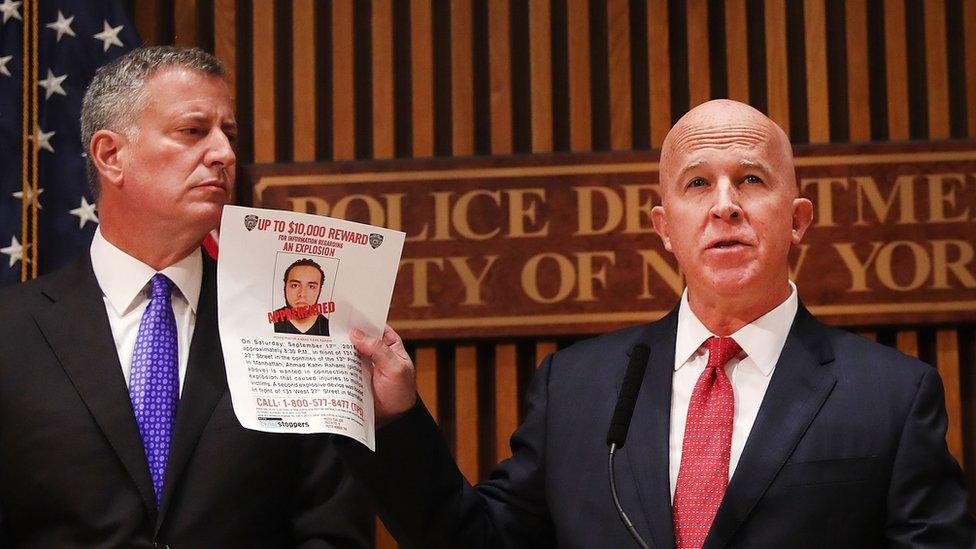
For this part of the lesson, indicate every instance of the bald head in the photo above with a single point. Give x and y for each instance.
(724, 124)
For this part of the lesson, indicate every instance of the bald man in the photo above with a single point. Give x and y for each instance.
(755, 426)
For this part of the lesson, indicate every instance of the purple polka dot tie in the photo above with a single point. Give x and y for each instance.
(154, 383)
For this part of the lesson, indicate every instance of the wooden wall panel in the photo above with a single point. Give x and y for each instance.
(937, 70)
(399, 103)
(777, 72)
(699, 77)
(947, 362)
(621, 117)
(466, 411)
(303, 80)
(265, 80)
(858, 94)
(736, 48)
(506, 398)
(540, 51)
(896, 69)
(969, 18)
(659, 69)
(578, 24)
(343, 82)
(818, 104)
(421, 78)
(382, 74)
(500, 71)
(185, 13)
(462, 92)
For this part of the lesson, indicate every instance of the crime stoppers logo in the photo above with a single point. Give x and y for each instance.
(250, 221)
(375, 240)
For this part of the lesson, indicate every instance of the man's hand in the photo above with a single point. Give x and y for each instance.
(394, 378)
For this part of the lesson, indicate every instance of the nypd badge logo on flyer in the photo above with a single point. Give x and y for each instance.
(290, 289)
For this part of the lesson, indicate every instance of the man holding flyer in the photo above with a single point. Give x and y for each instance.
(116, 420)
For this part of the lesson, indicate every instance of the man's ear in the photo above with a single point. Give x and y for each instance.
(660, 221)
(802, 217)
(104, 149)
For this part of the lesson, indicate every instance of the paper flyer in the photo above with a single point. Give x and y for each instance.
(290, 289)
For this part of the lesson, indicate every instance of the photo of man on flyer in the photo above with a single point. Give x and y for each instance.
(302, 313)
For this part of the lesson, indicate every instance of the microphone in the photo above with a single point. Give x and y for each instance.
(620, 424)
(627, 398)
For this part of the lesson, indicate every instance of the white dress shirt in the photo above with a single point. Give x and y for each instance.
(761, 341)
(124, 281)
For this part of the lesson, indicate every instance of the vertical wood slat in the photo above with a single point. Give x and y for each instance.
(462, 85)
(466, 411)
(262, 53)
(618, 50)
(540, 60)
(500, 77)
(343, 87)
(736, 50)
(421, 78)
(426, 365)
(303, 80)
(225, 40)
(542, 349)
(896, 68)
(969, 30)
(506, 398)
(384, 540)
(578, 28)
(659, 70)
(185, 22)
(146, 20)
(777, 73)
(815, 45)
(907, 342)
(382, 73)
(858, 85)
(699, 83)
(947, 362)
(937, 69)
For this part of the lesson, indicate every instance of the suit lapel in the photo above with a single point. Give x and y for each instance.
(648, 438)
(203, 387)
(797, 390)
(86, 350)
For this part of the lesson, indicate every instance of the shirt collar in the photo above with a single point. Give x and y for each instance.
(762, 339)
(122, 277)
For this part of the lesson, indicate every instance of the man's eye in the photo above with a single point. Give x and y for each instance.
(753, 179)
(191, 131)
(697, 182)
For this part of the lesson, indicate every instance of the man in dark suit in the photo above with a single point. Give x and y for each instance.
(755, 425)
(116, 425)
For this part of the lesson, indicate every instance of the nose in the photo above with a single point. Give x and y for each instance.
(220, 153)
(726, 204)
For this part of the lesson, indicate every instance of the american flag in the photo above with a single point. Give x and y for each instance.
(73, 37)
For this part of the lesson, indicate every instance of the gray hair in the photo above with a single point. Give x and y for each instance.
(117, 93)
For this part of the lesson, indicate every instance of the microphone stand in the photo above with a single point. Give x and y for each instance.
(616, 502)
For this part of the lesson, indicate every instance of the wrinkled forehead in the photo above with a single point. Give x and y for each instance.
(726, 126)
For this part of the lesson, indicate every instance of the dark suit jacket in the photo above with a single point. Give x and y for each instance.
(847, 451)
(73, 471)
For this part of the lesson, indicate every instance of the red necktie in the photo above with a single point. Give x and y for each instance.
(704, 471)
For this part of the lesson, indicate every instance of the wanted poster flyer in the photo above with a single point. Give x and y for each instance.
(290, 289)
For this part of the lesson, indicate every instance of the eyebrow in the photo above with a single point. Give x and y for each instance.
(195, 116)
(698, 162)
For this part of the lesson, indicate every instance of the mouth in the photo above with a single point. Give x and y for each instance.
(727, 244)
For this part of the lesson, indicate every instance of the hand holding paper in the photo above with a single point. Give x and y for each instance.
(394, 376)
